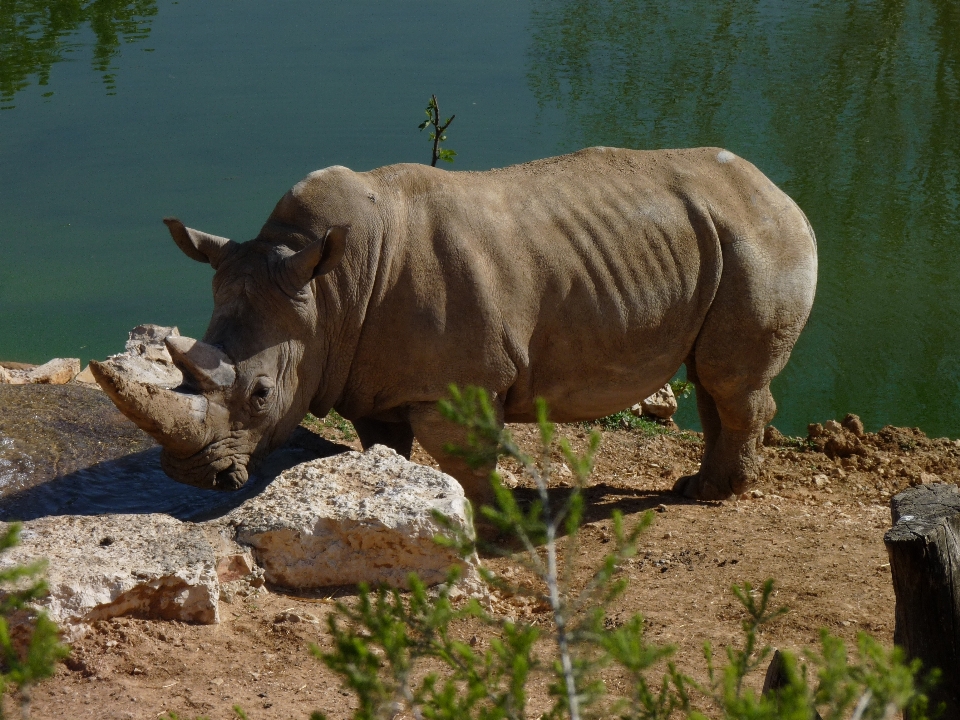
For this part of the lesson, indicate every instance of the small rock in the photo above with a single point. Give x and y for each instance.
(929, 478)
(661, 508)
(853, 423)
(832, 426)
(290, 616)
(821, 481)
(772, 437)
(843, 445)
(86, 377)
(814, 430)
(662, 404)
(508, 479)
(234, 567)
(756, 493)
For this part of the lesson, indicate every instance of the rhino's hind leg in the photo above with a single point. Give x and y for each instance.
(397, 436)
(730, 463)
(748, 334)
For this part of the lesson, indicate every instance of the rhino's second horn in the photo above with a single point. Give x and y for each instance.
(208, 366)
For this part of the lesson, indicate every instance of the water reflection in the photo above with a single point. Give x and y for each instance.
(854, 109)
(35, 34)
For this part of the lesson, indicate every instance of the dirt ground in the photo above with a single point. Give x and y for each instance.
(815, 523)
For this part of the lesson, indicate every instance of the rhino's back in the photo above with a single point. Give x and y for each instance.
(583, 279)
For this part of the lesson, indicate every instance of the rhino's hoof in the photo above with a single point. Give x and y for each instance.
(696, 488)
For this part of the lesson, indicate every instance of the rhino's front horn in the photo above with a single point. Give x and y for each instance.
(175, 420)
(208, 367)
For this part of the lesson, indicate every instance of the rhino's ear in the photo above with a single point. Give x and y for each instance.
(198, 245)
(316, 259)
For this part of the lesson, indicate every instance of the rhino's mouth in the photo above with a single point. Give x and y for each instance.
(209, 469)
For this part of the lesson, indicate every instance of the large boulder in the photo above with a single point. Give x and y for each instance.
(355, 517)
(101, 567)
(339, 520)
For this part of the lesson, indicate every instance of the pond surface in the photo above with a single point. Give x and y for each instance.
(116, 114)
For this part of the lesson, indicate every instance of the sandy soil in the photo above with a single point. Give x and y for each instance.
(815, 523)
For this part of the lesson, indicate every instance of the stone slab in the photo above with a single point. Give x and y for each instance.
(355, 517)
(100, 567)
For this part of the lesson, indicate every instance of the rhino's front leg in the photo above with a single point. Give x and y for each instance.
(395, 435)
(435, 433)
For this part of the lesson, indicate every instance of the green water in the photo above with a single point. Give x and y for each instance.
(116, 114)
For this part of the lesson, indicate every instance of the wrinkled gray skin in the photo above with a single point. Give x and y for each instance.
(586, 279)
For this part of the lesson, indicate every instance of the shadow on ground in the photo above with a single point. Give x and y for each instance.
(135, 484)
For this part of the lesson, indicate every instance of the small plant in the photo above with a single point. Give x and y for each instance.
(681, 388)
(626, 420)
(399, 652)
(437, 134)
(30, 649)
(332, 421)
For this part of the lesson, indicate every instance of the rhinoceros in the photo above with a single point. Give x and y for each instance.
(586, 279)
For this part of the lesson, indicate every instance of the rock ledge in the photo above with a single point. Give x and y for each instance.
(354, 517)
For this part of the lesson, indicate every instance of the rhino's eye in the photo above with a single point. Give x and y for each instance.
(262, 391)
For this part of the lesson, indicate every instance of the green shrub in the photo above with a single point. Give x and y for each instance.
(29, 653)
(626, 420)
(398, 652)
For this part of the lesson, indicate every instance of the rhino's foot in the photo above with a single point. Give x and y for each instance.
(696, 487)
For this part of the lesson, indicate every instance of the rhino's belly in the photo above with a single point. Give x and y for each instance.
(585, 373)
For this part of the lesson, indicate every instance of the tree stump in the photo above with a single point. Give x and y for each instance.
(776, 679)
(924, 550)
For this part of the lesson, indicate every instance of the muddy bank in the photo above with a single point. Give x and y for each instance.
(65, 449)
(49, 431)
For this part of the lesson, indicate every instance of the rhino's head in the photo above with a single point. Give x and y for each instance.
(245, 385)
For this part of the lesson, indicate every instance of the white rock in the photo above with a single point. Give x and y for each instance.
(58, 371)
(100, 567)
(662, 404)
(355, 517)
(146, 358)
(86, 377)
